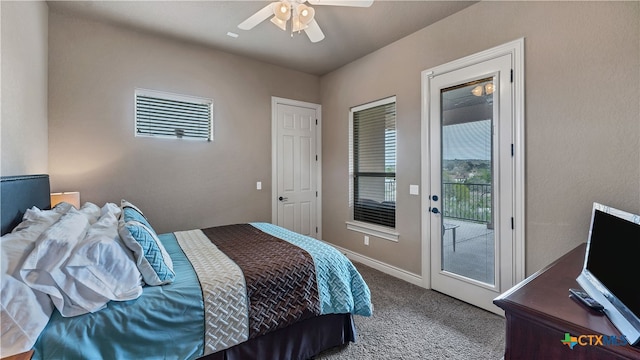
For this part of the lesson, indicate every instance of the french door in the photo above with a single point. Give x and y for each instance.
(471, 180)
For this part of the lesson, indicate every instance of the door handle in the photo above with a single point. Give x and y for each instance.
(283, 198)
(435, 210)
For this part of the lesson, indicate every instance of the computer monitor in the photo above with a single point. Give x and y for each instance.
(612, 266)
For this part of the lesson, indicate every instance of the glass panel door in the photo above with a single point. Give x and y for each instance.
(470, 181)
(468, 243)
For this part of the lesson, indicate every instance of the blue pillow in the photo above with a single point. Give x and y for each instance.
(152, 258)
(131, 212)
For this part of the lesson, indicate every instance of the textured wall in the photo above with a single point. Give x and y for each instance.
(582, 100)
(93, 71)
(23, 141)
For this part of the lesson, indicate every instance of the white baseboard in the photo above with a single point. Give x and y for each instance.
(401, 274)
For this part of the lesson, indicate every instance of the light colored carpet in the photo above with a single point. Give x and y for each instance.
(410, 322)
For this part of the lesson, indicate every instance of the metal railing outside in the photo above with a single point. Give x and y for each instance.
(389, 189)
(470, 202)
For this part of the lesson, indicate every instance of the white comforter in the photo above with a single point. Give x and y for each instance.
(65, 258)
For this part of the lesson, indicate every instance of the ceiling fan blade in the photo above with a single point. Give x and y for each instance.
(314, 32)
(353, 3)
(257, 18)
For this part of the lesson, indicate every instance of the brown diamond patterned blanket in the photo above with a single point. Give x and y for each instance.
(280, 277)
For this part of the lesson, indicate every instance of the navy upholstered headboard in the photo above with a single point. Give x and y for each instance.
(19, 193)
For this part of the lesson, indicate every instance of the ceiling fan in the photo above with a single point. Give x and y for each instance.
(302, 15)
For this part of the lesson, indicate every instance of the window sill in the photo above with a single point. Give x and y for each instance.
(383, 232)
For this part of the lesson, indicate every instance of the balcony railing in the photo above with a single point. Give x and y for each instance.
(470, 202)
(389, 189)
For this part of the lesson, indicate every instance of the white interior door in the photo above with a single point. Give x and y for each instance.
(471, 181)
(296, 194)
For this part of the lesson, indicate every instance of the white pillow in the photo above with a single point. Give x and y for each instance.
(41, 269)
(20, 241)
(35, 216)
(17, 244)
(91, 211)
(102, 265)
(112, 208)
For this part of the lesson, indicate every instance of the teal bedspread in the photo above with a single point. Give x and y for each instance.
(117, 333)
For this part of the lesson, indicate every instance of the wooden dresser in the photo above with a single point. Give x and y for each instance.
(539, 313)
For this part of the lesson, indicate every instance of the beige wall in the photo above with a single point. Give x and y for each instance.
(582, 118)
(23, 141)
(582, 79)
(179, 184)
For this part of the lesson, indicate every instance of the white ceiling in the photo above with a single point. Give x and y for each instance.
(350, 32)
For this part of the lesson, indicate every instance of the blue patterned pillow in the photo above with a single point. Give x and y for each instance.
(152, 259)
(131, 212)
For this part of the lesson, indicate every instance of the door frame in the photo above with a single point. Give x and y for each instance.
(274, 166)
(516, 50)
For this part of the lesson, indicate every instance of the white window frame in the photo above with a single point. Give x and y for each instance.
(380, 231)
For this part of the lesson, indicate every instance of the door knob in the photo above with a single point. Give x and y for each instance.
(283, 198)
(435, 210)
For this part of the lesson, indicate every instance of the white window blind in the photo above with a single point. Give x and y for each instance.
(374, 162)
(167, 115)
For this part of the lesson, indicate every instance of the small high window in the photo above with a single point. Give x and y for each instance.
(165, 115)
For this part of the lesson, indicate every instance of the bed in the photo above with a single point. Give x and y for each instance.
(241, 291)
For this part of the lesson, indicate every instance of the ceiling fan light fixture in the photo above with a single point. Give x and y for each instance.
(305, 14)
(297, 25)
(282, 24)
(282, 10)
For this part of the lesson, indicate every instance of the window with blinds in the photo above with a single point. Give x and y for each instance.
(167, 115)
(374, 162)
